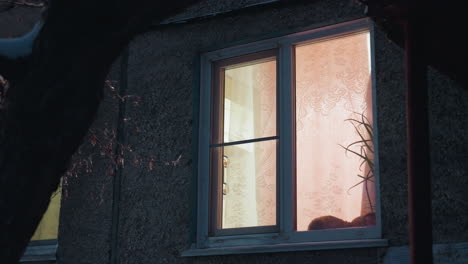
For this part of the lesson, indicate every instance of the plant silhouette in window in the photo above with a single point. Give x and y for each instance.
(365, 152)
(363, 148)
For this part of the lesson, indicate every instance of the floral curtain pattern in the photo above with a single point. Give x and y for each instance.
(249, 174)
(333, 84)
(48, 227)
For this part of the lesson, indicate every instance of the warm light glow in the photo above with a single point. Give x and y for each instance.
(250, 101)
(333, 83)
(250, 185)
(249, 197)
(48, 227)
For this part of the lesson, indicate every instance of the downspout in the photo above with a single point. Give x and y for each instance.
(417, 121)
(120, 137)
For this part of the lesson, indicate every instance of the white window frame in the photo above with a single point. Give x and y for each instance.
(286, 239)
(40, 251)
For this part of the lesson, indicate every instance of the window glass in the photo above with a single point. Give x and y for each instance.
(286, 150)
(48, 227)
(334, 150)
(244, 173)
(249, 110)
(249, 185)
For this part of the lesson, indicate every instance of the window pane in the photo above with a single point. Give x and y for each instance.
(48, 227)
(333, 110)
(248, 184)
(250, 101)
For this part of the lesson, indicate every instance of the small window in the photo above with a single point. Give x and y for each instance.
(43, 245)
(48, 227)
(244, 145)
(287, 149)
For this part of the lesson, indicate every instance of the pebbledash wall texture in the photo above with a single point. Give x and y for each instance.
(156, 218)
(147, 213)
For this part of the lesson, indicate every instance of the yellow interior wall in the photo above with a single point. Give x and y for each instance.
(48, 227)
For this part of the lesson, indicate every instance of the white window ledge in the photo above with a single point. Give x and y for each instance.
(286, 247)
(39, 253)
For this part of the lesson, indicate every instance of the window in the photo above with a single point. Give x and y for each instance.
(287, 144)
(43, 245)
(48, 227)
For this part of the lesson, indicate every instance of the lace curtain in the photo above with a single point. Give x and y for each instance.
(249, 197)
(333, 84)
(48, 227)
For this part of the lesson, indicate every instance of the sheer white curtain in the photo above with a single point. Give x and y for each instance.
(333, 83)
(250, 170)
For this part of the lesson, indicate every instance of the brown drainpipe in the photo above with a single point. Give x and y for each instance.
(419, 177)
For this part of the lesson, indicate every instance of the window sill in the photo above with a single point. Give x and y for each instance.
(39, 253)
(286, 247)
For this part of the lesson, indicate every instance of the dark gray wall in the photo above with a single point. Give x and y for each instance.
(155, 218)
(449, 158)
(87, 198)
(157, 201)
(210, 7)
(17, 21)
(392, 138)
(156, 205)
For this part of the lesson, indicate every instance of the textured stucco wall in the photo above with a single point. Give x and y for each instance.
(448, 120)
(156, 203)
(392, 138)
(449, 158)
(86, 209)
(210, 7)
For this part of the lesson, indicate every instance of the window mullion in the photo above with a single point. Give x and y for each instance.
(247, 141)
(286, 187)
(203, 154)
(376, 131)
(293, 217)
